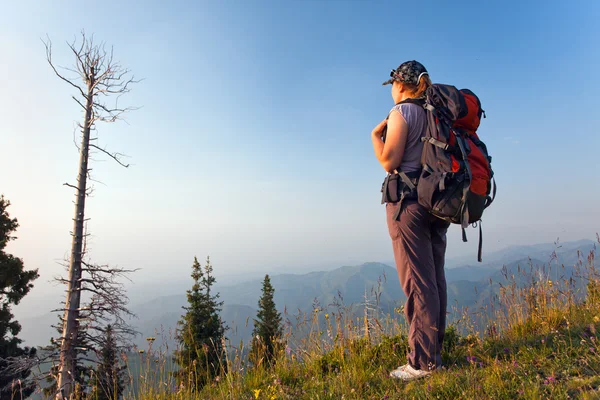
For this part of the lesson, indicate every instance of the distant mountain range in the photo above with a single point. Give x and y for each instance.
(468, 285)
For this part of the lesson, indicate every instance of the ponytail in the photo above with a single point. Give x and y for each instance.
(418, 91)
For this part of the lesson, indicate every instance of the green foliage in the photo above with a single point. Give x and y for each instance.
(15, 283)
(268, 332)
(110, 376)
(201, 354)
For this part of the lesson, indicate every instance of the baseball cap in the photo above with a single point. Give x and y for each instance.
(408, 72)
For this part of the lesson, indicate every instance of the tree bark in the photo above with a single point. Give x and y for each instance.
(68, 354)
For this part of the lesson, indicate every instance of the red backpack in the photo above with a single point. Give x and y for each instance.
(456, 180)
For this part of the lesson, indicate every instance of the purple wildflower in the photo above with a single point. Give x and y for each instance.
(506, 350)
(429, 387)
(288, 350)
(515, 364)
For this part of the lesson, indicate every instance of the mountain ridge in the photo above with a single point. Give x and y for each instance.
(296, 293)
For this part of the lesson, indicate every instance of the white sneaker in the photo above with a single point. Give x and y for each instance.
(408, 373)
(398, 370)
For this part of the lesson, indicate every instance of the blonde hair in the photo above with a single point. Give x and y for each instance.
(418, 91)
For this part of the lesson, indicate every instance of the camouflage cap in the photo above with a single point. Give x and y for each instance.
(408, 72)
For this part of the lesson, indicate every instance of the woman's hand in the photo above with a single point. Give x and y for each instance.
(378, 130)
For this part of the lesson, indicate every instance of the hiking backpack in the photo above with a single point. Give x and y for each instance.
(456, 178)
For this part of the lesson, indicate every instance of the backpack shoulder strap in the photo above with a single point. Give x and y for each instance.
(420, 101)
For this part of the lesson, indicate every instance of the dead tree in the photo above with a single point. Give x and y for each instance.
(104, 303)
(96, 77)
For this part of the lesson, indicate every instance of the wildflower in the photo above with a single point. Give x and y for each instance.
(506, 350)
(549, 380)
(550, 283)
(596, 319)
(256, 393)
(288, 350)
(141, 351)
(326, 316)
(592, 350)
(429, 387)
(515, 364)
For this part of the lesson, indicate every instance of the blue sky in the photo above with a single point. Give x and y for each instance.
(253, 144)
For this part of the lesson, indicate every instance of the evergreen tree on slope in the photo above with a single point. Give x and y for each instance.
(267, 331)
(15, 283)
(201, 336)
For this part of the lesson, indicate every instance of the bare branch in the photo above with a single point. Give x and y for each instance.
(48, 46)
(71, 186)
(78, 102)
(115, 156)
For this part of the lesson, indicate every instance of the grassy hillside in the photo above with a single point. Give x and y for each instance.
(527, 330)
(540, 341)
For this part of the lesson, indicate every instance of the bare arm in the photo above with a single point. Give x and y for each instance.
(389, 154)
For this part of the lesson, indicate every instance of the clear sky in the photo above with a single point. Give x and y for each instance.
(253, 144)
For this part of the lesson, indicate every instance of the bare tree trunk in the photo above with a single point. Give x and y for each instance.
(102, 78)
(73, 301)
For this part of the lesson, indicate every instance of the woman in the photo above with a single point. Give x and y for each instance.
(418, 238)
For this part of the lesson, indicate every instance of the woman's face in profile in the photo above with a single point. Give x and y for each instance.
(396, 95)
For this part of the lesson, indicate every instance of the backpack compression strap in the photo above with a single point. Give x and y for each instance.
(480, 248)
(489, 199)
(408, 184)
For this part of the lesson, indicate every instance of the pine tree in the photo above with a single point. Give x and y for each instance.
(267, 326)
(15, 283)
(201, 354)
(109, 377)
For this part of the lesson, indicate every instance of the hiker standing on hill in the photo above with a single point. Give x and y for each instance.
(418, 237)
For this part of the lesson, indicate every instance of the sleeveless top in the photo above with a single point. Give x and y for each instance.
(416, 119)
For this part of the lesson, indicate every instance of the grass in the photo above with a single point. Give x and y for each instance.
(536, 339)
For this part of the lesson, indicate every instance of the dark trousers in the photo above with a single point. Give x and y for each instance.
(419, 243)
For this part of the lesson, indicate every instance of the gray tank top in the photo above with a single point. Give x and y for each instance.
(416, 119)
